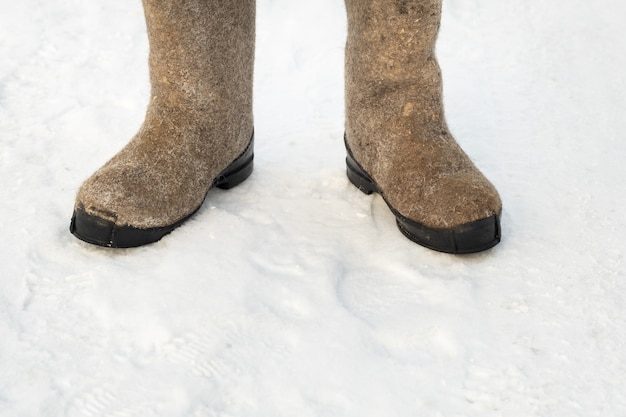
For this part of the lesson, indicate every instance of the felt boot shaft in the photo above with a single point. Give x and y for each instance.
(395, 124)
(198, 121)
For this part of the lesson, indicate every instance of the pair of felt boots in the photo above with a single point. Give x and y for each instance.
(198, 130)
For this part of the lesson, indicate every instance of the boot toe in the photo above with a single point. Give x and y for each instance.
(456, 212)
(123, 208)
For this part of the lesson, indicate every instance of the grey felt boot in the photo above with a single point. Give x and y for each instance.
(197, 133)
(396, 135)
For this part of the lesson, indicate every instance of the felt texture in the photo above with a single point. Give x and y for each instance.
(198, 121)
(395, 123)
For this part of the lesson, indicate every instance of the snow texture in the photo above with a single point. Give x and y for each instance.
(294, 294)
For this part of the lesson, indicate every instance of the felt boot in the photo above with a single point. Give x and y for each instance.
(198, 129)
(397, 140)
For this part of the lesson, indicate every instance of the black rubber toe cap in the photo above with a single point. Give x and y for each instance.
(98, 231)
(472, 237)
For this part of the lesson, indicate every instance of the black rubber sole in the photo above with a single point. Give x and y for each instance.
(472, 237)
(98, 231)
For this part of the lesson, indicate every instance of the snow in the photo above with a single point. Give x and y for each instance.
(294, 294)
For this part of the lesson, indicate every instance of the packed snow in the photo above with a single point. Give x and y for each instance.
(294, 294)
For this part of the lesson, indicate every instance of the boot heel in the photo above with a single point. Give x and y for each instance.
(238, 171)
(359, 177)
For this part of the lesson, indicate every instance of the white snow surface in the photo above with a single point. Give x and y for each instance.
(294, 294)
